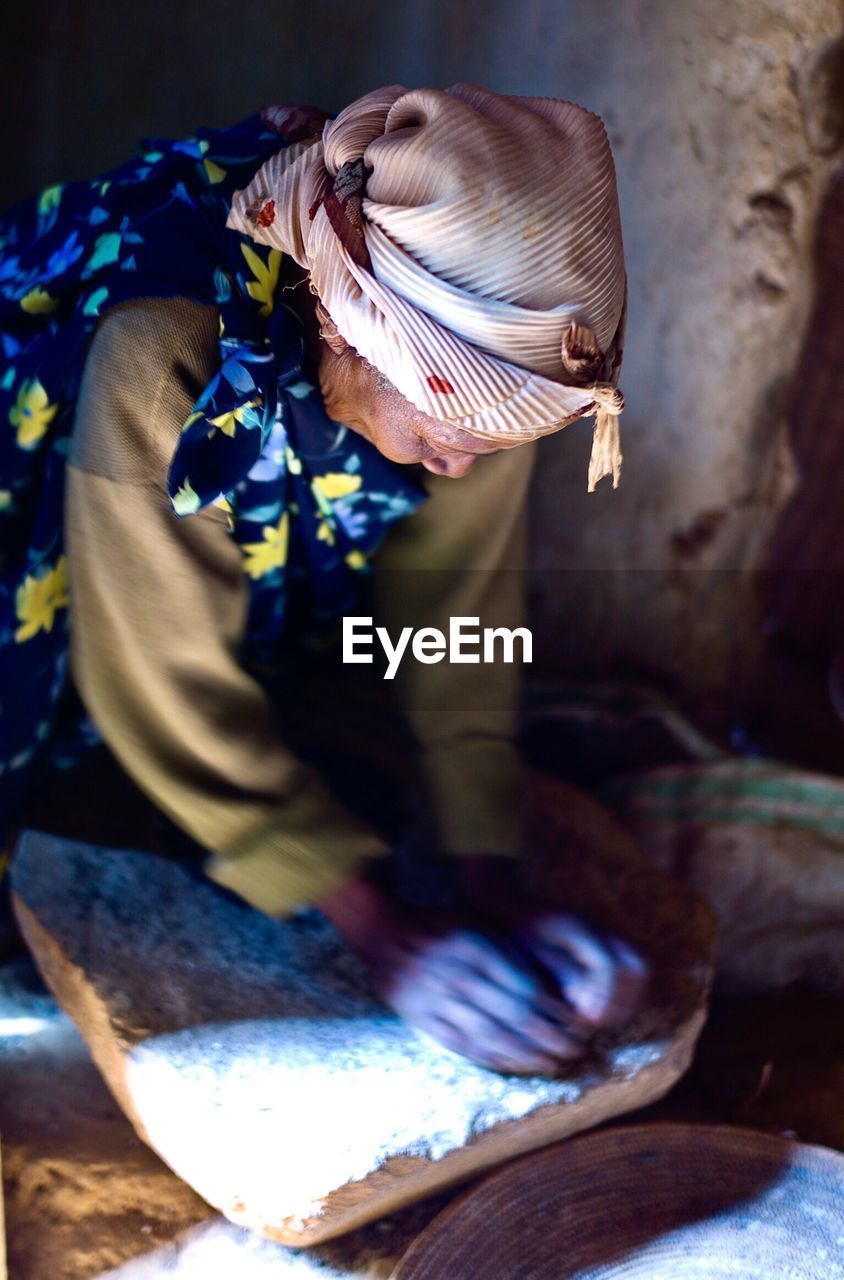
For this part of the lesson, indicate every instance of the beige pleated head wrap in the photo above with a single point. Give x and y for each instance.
(468, 245)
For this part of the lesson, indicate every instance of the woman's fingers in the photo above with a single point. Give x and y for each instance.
(520, 1015)
(487, 998)
(567, 933)
(480, 1038)
(492, 1038)
(585, 993)
(477, 952)
(602, 979)
(502, 985)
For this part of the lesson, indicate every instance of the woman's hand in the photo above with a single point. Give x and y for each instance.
(600, 980)
(444, 975)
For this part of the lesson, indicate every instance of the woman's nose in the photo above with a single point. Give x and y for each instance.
(454, 465)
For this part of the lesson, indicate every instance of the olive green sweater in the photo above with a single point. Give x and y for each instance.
(158, 607)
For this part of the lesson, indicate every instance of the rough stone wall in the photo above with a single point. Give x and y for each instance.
(725, 119)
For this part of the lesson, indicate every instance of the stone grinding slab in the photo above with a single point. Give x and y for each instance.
(252, 1055)
(85, 1198)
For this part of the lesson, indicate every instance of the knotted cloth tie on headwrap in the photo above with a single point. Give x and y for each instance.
(468, 245)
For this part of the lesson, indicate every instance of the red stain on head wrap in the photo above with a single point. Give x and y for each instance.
(265, 216)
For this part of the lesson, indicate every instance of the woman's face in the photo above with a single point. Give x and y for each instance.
(357, 394)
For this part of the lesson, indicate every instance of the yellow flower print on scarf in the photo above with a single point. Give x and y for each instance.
(263, 557)
(38, 302)
(262, 288)
(185, 499)
(50, 198)
(336, 484)
(38, 599)
(213, 171)
(227, 422)
(32, 413)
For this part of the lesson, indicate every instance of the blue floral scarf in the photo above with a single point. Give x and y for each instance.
(308, 500)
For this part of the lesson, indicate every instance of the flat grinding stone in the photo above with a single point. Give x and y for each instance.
(252, 1055)
(84, 1198)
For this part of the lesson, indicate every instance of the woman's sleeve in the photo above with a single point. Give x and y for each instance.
(462, 554)
(158, 607)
